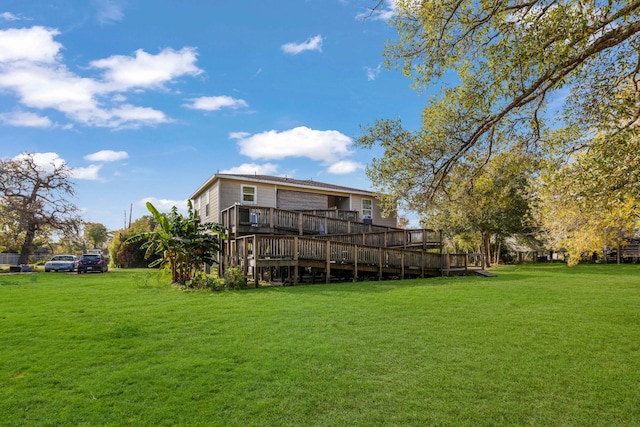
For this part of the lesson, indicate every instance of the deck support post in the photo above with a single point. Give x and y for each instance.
(379, 263)
(402, 268)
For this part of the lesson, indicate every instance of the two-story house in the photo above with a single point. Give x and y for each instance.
(221, 191)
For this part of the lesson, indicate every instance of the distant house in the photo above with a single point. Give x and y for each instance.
(222, 191)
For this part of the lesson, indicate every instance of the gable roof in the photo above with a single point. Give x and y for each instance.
(290, 182)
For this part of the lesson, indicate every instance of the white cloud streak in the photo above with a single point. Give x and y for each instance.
(313, 43)
(214, 103)
(253, 168)
(107, 156)
(109, 11)
(164, 205)
(8, 16)
(25, 119)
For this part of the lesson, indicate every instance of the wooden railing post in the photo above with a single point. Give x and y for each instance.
(300, 227)
(379, 263)
(296, 271)
(328, 262)
(355, 263)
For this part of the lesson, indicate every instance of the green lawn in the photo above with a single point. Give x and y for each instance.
(542, 345)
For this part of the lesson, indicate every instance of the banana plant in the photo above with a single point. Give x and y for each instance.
(185, 244)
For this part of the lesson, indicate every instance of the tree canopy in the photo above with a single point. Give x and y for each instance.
(96, 234)
(557, 80)
(36, 199)
(498, 72)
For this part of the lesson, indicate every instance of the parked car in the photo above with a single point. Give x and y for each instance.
(92, 262)
(61, 263)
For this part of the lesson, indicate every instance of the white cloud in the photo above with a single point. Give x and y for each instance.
(109, 11)
(8, 16)
(89, 173)
(238, 135)
(25, 119)
(344, 166)
(45, 161)
(107, 156)
(214, 103)
(31, 68)
(48, 161)
(325, 146)
(253, 168)
(164, 205)
(373, 73)
(33, 44)
(313, 43)
(147, 70)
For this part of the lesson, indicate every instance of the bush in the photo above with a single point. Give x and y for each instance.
(234, 279)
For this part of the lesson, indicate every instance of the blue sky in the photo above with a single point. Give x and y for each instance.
(145, 100)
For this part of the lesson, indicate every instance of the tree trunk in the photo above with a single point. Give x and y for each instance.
(498, 249)
(28, 244)
(486, 248)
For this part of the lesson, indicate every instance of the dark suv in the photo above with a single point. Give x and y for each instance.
(92, 262)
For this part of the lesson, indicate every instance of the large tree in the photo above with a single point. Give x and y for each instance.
(494, 204)
(37, 196)
(500, 70)
(96, 233)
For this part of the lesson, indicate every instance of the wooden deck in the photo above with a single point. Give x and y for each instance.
(294, 259)
(321, 246)
(242, 220)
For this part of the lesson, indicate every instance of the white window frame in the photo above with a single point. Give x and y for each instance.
(366, 212)
(255, 195)
(206, 206)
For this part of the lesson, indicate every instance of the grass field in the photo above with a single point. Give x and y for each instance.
(541, 345)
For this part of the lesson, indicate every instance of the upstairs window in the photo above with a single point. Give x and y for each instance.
(367, 208)
(206, 207)
(249, 195)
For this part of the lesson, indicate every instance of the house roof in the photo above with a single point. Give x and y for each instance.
(290, 182)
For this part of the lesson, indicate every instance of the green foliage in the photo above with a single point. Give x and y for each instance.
(507, 60)
(495, 203)
(185, 244)
(234, 279)
(95, 233)
(131, 255)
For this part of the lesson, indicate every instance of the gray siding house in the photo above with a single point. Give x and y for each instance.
(222, 191)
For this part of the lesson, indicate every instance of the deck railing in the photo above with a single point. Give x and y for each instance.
(243, 219)
(419, 238)
(262, 250)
